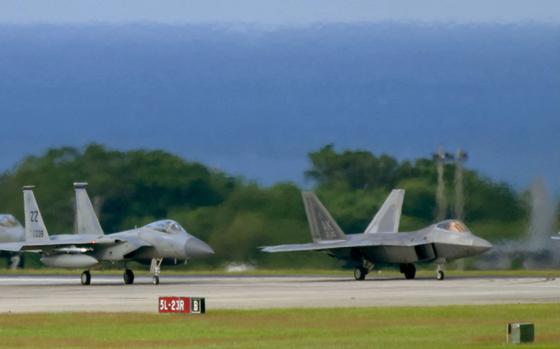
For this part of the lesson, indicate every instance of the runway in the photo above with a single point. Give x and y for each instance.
(108, 294)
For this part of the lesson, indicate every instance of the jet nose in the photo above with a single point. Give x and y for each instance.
(481, 245)
(196, 248)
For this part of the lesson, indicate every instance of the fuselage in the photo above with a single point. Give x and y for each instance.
(425, 245)
(161, 239)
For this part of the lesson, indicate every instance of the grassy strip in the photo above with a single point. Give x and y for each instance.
(400, 327)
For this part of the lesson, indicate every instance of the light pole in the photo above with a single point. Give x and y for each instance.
(460, 158)
(440, 158)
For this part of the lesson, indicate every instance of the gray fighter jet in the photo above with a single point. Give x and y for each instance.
(11, 230)
(382, 244)
(155, 242)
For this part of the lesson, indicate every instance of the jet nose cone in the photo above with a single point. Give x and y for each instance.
(481, 245)
(196, 248)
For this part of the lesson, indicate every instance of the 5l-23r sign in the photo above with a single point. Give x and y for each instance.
(182, 305)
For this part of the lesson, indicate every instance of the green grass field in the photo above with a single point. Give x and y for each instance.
(400, 327)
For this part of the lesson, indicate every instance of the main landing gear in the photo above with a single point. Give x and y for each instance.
(409, 271)
(360, 273)
(155, 269)
(128, 277)
(85, 278)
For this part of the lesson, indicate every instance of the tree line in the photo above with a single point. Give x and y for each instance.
(235, 215)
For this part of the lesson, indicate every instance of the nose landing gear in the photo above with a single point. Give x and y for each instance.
(155, 268)
(440, 275)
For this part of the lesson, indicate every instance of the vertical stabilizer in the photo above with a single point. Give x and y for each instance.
(86, 219)
(321, 223)
(35, 229)
(388, 217)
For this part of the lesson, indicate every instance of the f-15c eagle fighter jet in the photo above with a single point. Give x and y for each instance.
(157, 241)
(382, 244)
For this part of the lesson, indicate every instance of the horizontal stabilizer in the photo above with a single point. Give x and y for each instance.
(11, 246)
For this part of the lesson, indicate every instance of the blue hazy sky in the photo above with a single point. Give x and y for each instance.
(277, 12)
(251, 87)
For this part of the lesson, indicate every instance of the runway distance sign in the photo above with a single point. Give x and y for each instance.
(182, 305)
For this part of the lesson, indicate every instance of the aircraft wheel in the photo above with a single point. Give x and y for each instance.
(440, 275)
(360, 273)
(409, 271)
(128, 277)
(155, 280)
(85, 278)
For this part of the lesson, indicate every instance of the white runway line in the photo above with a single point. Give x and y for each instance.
(107, 293)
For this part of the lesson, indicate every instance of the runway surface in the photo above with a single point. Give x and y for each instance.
(107, 293)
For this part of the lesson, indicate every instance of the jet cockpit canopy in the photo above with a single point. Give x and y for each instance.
(454, 226)
(167, 226)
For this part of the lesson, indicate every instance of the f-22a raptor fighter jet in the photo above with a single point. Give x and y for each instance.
(155, 242)
(382, 244)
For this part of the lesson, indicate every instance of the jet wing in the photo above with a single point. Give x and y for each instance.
(318, 246)
(49, 244)
(337, 244)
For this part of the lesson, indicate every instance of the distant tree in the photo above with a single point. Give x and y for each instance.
(352, 169)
